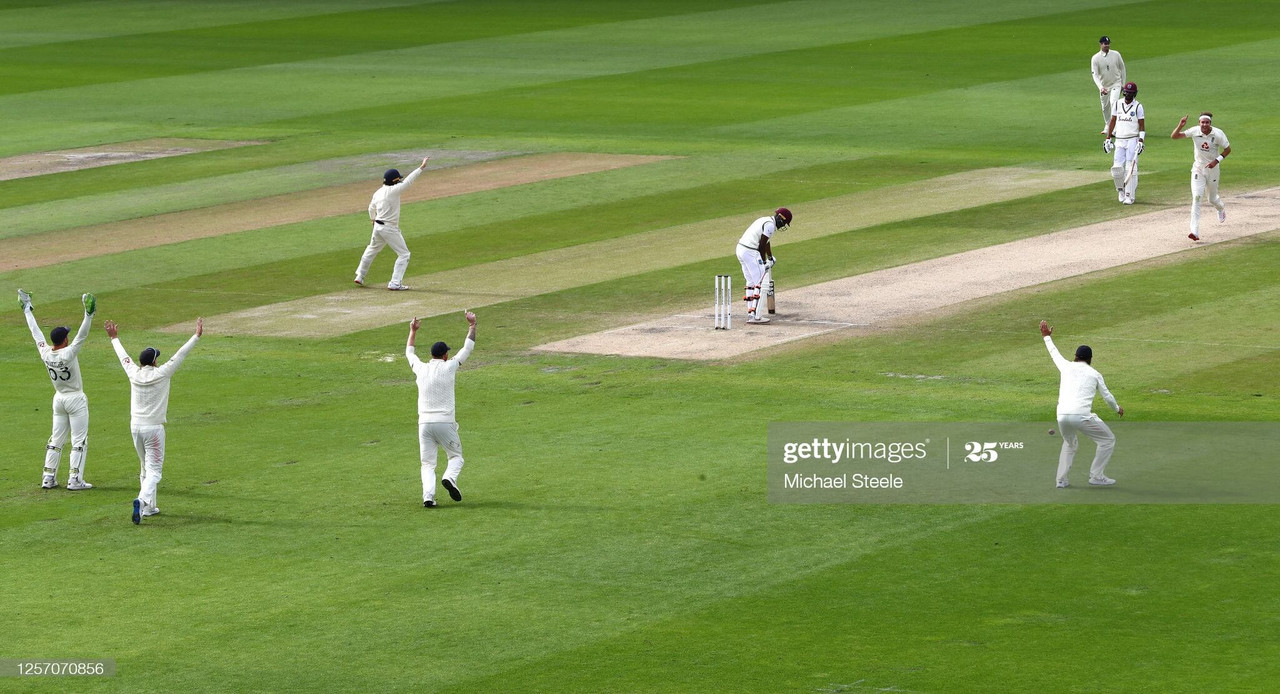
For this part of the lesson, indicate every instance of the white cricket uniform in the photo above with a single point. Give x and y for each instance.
(437, 421)
(1080, 383)
(384, 212)
(749, 257)
(1108, 73)
(1127, 115)
(1204, 180)
(70, 406)
(148, 412)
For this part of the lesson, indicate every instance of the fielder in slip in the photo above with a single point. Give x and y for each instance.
(1128, 125)
(756, 257)
(1211, 147)
(1080, 383)
(1108, 74)
(437, 419)
(148, 412)
(384, 212)
(70, 406)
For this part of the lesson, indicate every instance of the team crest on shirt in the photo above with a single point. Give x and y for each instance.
(1204, 145)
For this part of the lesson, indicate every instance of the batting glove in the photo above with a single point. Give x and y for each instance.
(24, 300)
(769, 265)
(1107, 146)
(1141, 146)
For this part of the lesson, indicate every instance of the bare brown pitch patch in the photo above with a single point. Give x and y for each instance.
(64, 160)
(53, 247)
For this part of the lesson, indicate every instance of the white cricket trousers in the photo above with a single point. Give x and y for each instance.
(1204, 183)
(752, 275)
(385, 235)
(1071, 426)
(70, 413)
(1124, 156)
(149, 442)
(433, 435)
(1109, 103)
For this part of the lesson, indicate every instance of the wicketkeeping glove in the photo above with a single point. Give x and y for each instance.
(1107, 146)
(1141, 146)
(90, 304)
(24, 300)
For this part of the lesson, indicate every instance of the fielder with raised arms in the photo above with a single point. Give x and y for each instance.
(437, 420)
(1211, 148)
(1128, 125)
(755, 254)
(384, 212)
(1080, 383)
(1108, 74)
(70, 405)
(148, 412)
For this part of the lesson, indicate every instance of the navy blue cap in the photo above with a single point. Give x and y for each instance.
(390, 176)
(149, 356)
(1084, 353)
(439, 349)
(58, 334)
(1105, 39)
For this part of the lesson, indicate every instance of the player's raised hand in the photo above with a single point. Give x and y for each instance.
(424, 163)
(1045, 329)
(471, 317)
(111, 328)
(1184, 120)
(199, 327)
(415, 324)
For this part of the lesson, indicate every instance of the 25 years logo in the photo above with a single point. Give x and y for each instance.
(980, 452)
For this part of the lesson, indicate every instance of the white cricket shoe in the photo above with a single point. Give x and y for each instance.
(1103, 481)
(49, 482)
(1119, 194)
(359, 281)
(1128, 199)
(757, 319)
(1063, 484)
(148, 510)
(76, 484)
(397, 288)
(1222, 216)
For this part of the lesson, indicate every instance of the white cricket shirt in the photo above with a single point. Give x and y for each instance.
(149, 385)
(1108, 69)
(761, 228)
(385, 205)
(435, 383)
(1127, 116)
(1208, 147)
(1080, 383)
(63, 364)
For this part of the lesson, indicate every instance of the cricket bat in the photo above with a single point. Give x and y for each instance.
(768, 288)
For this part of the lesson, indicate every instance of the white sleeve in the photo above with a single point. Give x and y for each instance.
(1225, 142)
(407, 180)
(83, 334)
(1142, 111)
(464, 352)
(35, 331)
(1106, 394)
(373, 211)
(411, 356)
(1123, 75)
(125, 361)
(1058, 361)
(176, 361)
(1097, 72)
(768, 229)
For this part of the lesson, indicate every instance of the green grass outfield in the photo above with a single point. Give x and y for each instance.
(615, 535)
